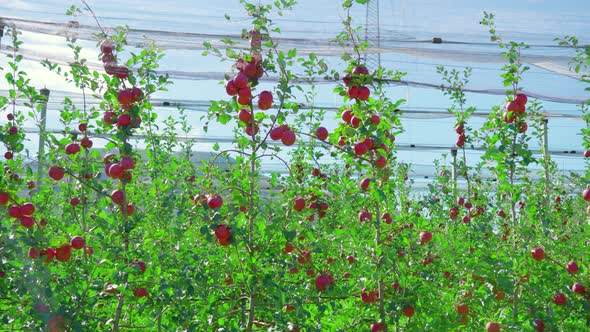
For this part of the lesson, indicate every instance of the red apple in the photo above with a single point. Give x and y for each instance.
(4, 198)
(322, 281)
(364, 184)
(355, 122)
(425, 237)
(240, 80)
(127, 163)
(572, 267)
(117, 196)
(299, 204)
(539, 325)
(244, 116)
(521, 99)
(586, 153)
(360, 149)
(63, 253)
(141, 265)
(288, 138)
(28, 209)
(578, 288)
(460, 129)
(321, 133)
(365, 216)
(375, 119)
(353, 92)
(107, 46)
(231, 88)
(586, 194)
(56, 173)
(222, 232)
(140, 292)
(276, 133)
(387, 218)
(364, 93)
(559, 299)
(408, 311)
(265, 100)
(538, 254)
(347, 116)
(214, 201)
(492, 327)
(27, 221)
(377, 327)
(77, 242)
(86, 142)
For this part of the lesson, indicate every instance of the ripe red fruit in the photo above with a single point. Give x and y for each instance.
(288, 138)
(141, 265)
(408, 311)
(586, 194)
(15, 211)
(136, 93)
(110, 117)
(460, 129)
(214, 202)
(63, 253)
(364, 215)
(586, 153)
(578, 288)
(222, 232)
(125, 97)
(33, 253)
(50, 253)
(462, 309)
(323, 281)
(425, 237)
(353, 92)
(56, 324)
(27, 221)
(265, 100)
(521, 99)
(461, 201)
(27, 209)
(364, 184)
(492, 327)
(572, 267)
(360, 70)
(77, 242)
(299, 204)
(8, 155)
(305, 257)
(57, 173)
(321, 133)
(123, 120)
(364, 93)
(107, 46)
(502, 214)
(140, 292)
(115, 171)
(347, 116)
(559, 299)
(252, 129)
(276, 133)
(360, 149)
(515, 107)
(127, 163)
(4, 198)
(523, 128)
(86, 142)
(539, 325)
(74, 201)
(377, 327)
(375, 119)
(240, 80)
(509, 117)
(231, 88)
(460, 140)
(538, 254)
(381, 162)
(12, 130)
(130, 209)
(117, 197)
(387, 218)
(244, 116)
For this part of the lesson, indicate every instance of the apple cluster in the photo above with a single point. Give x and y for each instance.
(24, 213)
(62, 253)
(355, 88)
(12, 136)
(110, 61)
(515, 111)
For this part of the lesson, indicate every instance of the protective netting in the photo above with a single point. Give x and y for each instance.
(217, 76)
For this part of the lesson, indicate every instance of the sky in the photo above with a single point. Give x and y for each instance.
(402, 24)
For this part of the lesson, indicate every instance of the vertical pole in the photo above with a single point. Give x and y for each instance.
(42, 128)
(546, 159)
(454, 169)
(1, 34)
